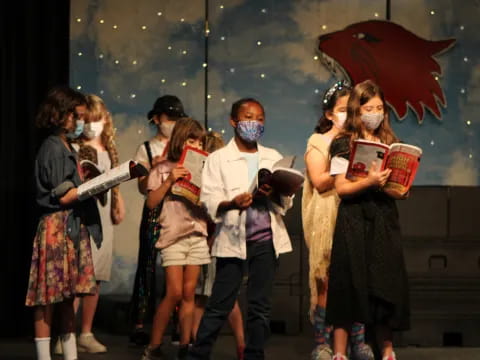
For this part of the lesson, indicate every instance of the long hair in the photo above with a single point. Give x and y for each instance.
(213, 141)
(60, 102)
(330, 98)
(354, 127)
(185, 128)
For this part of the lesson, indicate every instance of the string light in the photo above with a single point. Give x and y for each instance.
(209, 96)
(432, 12)
(134, 62)
(469, 123)
(115, 27)
(209, 129)
(221, 7)
(223, 100)
(462, 27)
(182, 20)
(102, 92)
(184, 83)
(159, 13)
(133, 96)
(80, 54)
(436, 78)
(163, 81)
(79, 87)
(204, 65)
(232, 70)
(259, 43)
(324, 27)
(470, 156)
(262, 76)
(144, 27)
(376, 14)
(316, 91)
(264, 11)
(462, 91)
(465, 59)
(100, 56)
(315, 57)
(184, 52)
(222, 38)
(117, 62)
(102, 21)
(169, 48)
(432, 143)
(223, 131)
(79, 20)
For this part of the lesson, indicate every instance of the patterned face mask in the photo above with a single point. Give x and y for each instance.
(250, 130)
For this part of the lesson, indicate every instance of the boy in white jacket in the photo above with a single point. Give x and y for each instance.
(249, 231)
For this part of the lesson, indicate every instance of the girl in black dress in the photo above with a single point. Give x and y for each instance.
(368, 280)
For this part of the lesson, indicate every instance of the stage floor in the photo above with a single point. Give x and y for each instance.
(280, 347)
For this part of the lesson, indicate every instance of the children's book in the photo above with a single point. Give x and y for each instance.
(402, 159)
(283, 178)
(189, 187)
(98, 181)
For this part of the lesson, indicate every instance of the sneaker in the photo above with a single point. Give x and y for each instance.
(339, 356)
(362, 351)
(139, 337)
(88, 343)
(155, 353)
(390, 357)
(182, 352)
(58, 348)
(322, 352)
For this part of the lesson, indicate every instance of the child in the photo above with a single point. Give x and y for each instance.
(97, 145)
(249, 232)
(214, 141)
(183, 239)
(166, 111)
(368, 280)
(319, 209)
(61, 265)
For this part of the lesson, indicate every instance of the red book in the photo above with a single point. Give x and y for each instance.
(402, 159)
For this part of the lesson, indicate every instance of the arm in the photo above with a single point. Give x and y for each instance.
(317, 170)
(69, 198)
(375, 178)
(118, 214)
(142, 184)
(155, 197)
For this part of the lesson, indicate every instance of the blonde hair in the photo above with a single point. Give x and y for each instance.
(213, 141)
(96, 111)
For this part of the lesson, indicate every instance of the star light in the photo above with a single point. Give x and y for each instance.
(262, 76)
(376, 14)
(432, 12)
(432, 143)
(117, 62)
(159, 13)
(223, 100)
(79, 20)
(316, 91)
(102, 21)
(209, 96)
(469, 123)
(462, 27)
(115, 27)
(80, 54)
(315, 57)
(133, 96)
(222, 38)
(144, 27)
(465, 59)
(264, 11)
(184, 83)
(259, 43)
(102, 92)
(163, 81)
(100, 56)
(462, 91)
(324, 27)
(79, 87)
(204, 65)
(134, 62)
(184, 52)
(221, 6)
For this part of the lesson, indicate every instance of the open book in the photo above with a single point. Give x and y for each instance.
(100, 182)
(193, 160)
(402, 159)
(283, 178)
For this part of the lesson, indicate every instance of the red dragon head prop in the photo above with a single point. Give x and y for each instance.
(399, 61)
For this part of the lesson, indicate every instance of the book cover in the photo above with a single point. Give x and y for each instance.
(193, 160)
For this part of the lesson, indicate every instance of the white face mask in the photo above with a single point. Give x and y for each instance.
(93, 130)
(341, 117)
(372, 120)
(167, 128)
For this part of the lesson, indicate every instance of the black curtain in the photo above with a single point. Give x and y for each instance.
(34, 57)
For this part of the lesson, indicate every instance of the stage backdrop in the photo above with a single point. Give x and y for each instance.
(286, 54)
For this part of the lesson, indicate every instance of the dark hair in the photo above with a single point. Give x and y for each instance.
(330, 98)
(185, 128)
(169, 105)
(360, 95)
(239, 103)
(57, 106)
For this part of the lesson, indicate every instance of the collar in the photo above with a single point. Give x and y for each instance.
(234, 154)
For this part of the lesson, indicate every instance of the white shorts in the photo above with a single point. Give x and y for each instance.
(191, 250)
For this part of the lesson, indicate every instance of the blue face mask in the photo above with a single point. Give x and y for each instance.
(250, 130)
(79, 125)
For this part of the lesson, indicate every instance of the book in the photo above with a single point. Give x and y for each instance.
(402, 159)
(189, 187)
(283, 178)
(103, 181)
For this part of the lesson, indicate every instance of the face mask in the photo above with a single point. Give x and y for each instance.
(167, 128)
(341, 117)
(250, 130)
(79, 124)
(372, 120)
(93, 130)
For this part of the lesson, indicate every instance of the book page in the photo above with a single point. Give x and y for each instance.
(105, 181)
(285, 162)
(194, 160)
(363, 153)
(287, 181)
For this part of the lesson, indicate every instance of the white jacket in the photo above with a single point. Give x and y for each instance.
(225, 175)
